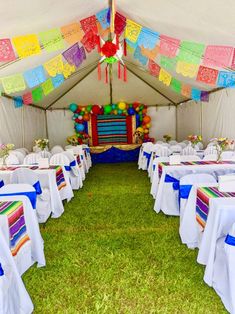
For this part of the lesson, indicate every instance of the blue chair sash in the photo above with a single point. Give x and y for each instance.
(148, 156)
(1, 183)
(1, 270)
(170, 179)
(87, 149)
(32, 196)
(72, 164)
(81, 157)
(230, 240)
(38, 188)
(184, 190)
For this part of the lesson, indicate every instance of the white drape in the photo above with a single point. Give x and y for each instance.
(21, 126)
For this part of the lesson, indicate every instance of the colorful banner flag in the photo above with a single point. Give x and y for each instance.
(37, 94)
(168, 63)
(35, 76)
(207, 75)
(47, 87)
(68, 70)
(73, 55)
(169, 46)
(102, 17)
(226, 79)
(191, 52)
(186, 90)
(6, 51)
(148, 38)
(14, 83)
(151, 54)
(58, 80)
(154, 68)
(165, 77)
(27, 98)
(132, 30)
(186, 69)
(233, 60)
(138, 56)
(52, 40)
(196, 94)
(89, 24)
(176, 85)
(218, 56)
(204, 96)
(90, 41)
(27, 45)
(72, 33)
(18, 101)
(54, 66)
(119, 23)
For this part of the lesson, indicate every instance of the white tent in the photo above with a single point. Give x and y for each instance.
(209, 22)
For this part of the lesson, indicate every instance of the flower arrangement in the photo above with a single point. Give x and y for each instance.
(222, 144)
(42, 143)
(5, 150)
(78, 139)
(195, 139)
(167, 138)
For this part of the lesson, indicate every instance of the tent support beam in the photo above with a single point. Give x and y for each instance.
(74, 85)
(151, 86)
(12, 98)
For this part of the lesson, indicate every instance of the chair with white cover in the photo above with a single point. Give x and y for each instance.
(186, 142)
(185, 158)
(165, 145)
(12, 160)
(87, 155)
(14, 298)
(75, 172)
(200, 145)
(224, 273)
(44, 154)
(175, 149)
(155, 177)
(189, 150)
(159, 142)
(182, 144)
(187, 194)
(19, 155)
(28, 176)
(147, 148)
(78, 150)
(31, 159)
(228, 155)
(57, 149)
(210, 150)
(23, 150)
(157, 151)
(210, 157)
(173, 142)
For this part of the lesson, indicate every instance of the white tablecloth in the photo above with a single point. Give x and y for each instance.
(33, 251)
(165, 190)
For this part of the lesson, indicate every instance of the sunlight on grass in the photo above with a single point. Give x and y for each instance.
(111, 253)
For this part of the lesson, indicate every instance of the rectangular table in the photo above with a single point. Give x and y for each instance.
(178, 171)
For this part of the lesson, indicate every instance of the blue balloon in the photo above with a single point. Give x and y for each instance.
(79, 127)
(73, 107)
(131, 111)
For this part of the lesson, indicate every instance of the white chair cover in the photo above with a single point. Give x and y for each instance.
(75, 173)
(44, 154)
(12, 160)
(200, 145)
(210, 150)
(189, 150)
(175, 149)
(32, 159)
(186, 142)
(182, 144)
(14, 298)
(78, 150)
(28, 176)
(210, 157)
(186, 158)
(159, 151)
(228, 155)
(173, 142)
(155, 179)
(88, 155)
(159, 142)
(143, 162)
(57, 149)
(224, 272)
(19, 155)
(22, 150)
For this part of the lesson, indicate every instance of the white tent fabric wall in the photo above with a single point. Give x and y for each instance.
(212, 119)
(20, 126)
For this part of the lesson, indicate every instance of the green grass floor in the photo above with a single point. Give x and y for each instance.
(111, 253)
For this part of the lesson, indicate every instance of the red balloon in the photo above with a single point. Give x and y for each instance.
(135, 105)
(96, 109)
(79, 121)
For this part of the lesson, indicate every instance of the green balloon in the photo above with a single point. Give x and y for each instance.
(82, 113)
(88, 108)
(107, 109)
(141, 107)
(141, 118)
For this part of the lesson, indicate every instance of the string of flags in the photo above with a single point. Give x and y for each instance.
(212, 65)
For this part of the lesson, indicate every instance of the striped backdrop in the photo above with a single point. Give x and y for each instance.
(111, 129)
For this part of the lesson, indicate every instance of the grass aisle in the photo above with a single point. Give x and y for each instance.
(111, 253)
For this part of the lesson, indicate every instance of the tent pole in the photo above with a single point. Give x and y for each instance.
(154, 88)
(74, 85)
(31, 105)
(46, 121)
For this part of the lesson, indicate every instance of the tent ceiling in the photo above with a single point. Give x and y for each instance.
(209, 22)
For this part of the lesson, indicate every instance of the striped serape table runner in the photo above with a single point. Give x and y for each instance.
(193, 163)
(60, 179)
(16, 222)
(204, 195)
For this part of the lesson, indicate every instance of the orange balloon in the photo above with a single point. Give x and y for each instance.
(86, 117)
(146, 119)
(144, 111)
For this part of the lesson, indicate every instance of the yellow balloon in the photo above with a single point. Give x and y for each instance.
(148, 125)
(146, 131)
(115, 111)
(122, 106)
